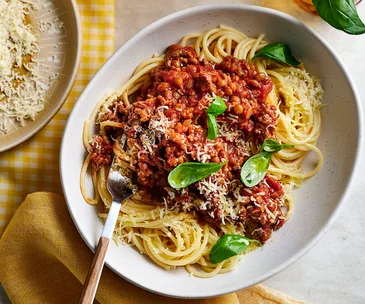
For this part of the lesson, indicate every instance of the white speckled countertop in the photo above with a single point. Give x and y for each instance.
(334, 270)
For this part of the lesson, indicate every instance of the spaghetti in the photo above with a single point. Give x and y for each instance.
(135, 126)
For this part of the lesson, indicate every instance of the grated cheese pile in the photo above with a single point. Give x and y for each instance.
(304, 90)
(22, 89)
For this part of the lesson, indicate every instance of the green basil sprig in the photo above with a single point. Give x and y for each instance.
(189, 173)
(212, 127)
(341, 14)
(279, 52)
(254, 169)
(216, 108)
(228, 246)
(271, 145)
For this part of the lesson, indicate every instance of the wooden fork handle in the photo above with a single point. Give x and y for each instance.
(93, 277)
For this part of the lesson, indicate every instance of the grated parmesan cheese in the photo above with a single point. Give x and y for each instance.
(216, 187)
(160, 123)
(231, 134)
(148, 140)
(305, 90)
(53, 26)
(22, 89)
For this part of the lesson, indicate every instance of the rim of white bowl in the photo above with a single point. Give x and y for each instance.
(331, 219)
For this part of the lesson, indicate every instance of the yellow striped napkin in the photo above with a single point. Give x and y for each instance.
(33, 165)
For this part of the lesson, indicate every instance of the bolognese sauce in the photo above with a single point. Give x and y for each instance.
(166, 125)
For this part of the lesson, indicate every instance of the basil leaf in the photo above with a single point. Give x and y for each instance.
(228, 246)
(279, 52)
(341, 14)
(217, 107)
(271, 145)
(212, 127)
(254, 169)
(188, 173)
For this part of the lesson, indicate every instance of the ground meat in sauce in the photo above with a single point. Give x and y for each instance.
(101, 151)
(166, 126)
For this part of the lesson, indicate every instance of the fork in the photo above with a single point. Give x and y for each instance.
(121, 188)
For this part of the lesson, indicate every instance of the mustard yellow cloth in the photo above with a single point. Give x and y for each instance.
(43, 259)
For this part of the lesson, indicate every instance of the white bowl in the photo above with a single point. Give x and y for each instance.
(317, 202)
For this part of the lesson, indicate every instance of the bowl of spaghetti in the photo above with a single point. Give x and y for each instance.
(239, 127)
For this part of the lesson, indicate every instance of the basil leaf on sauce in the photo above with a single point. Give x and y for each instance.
(228, 246)
(217, 107)
(254, 169)
(271, 145)
(341, 14)
(212, 127)
(189, 173)
(279, 52)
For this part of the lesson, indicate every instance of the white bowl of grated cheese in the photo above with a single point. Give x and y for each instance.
(317, 202)
(40, 51)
